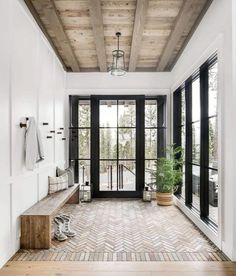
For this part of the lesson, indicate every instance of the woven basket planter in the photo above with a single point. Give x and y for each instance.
(164, 199)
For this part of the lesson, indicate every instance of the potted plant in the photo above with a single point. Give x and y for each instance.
(168, 174)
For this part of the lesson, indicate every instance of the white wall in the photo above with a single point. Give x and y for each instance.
(232, 119)
(103, 83)
(31, 84)
(215, 34)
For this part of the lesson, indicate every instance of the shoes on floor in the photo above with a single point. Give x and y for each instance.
(62, 227)
(66, 226)
(58, 233)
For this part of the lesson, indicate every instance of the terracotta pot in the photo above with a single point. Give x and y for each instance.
(164, 199)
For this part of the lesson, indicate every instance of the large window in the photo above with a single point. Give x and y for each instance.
(180, 130)
(213, 144)
(154, 135)
(195, 129)
(84, 133)
(195, 163)
(183, 131)
(80, 139)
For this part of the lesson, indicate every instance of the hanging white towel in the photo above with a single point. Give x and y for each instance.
(33, 145)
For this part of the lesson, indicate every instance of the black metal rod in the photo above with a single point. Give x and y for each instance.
(122, 176)
(63, 139)
(111, 177)
(83, 173)
(204, 143)
(49, 137)
(188, 144)
(108, 176)
(119, 176)
(45, 124)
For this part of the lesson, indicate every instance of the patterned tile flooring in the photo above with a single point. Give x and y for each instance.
(128, 230)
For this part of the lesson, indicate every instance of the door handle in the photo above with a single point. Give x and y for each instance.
(120, 173)
(111, 176)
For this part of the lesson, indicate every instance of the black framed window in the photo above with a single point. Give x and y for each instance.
(80, 138)
(213, 141)
(155, 133)
(196, 123)
(179, 111)
(195, 129)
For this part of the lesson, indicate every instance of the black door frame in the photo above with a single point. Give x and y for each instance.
(140, 103)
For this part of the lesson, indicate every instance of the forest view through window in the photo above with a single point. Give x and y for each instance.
(115, 141)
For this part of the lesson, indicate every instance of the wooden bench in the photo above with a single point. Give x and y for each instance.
(36, 222)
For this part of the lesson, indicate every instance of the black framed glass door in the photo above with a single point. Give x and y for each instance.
(118, 131)
(117, 145)
(115, 140)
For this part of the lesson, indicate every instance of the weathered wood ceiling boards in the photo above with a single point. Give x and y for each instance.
(82, 32)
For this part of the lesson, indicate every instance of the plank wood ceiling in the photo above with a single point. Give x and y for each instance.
(82, 32)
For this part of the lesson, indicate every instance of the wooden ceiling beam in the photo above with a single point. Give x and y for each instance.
(140, 19)
(183, 19)
(98, 32)
(196, 24)
(56, 26)
(43, 29)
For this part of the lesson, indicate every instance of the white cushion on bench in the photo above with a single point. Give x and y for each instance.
(56, 184)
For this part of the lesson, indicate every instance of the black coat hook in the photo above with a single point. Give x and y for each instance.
(22, 124)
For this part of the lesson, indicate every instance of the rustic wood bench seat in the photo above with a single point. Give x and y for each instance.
(36, 221)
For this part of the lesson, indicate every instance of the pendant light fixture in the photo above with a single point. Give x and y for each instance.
(118, 60)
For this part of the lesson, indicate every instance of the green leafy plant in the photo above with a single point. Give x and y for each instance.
(168, 170)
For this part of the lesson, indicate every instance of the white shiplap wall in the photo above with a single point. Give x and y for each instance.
(31, 84)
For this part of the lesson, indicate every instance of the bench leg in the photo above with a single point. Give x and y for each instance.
(35, 232)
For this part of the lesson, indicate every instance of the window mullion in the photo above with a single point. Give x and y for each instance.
(204, 143)
(177, 125)
(188, 146)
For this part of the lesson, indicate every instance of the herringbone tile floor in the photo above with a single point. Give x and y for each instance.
(128, 230)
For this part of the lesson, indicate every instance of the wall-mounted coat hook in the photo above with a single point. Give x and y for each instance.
(61, 128)
(59, 132)
(52, 131)
(49, 137)
(45, 124)
(63, 139)
(22, 124)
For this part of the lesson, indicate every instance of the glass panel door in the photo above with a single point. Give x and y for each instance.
(117, 145)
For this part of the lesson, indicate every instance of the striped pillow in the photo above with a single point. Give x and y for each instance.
(56, 184)
(70, 173)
